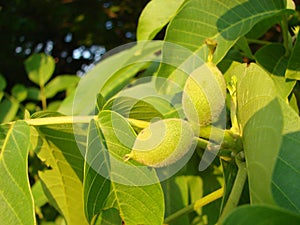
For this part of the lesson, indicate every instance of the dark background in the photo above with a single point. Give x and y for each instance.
(75, 32)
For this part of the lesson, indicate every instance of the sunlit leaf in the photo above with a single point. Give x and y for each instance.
(155, 16)
(96, 186)
(260, 116)
(223, 21)
(40, 68)
(60, 149)
(119, 136)
(17, 205)
(111, 75)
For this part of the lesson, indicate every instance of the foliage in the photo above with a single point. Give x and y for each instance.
(62, 28)
(241, 169)
(40, 68)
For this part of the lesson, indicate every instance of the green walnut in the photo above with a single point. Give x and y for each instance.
(162, 143)
(204, 95)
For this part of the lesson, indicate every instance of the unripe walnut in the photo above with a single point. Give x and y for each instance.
(162, 143)
(204, 95)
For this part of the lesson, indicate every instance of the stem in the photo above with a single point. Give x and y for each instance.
(285, 34)
(225, 138)
(199, 203)
(260, 42)
(43, 98)
(237, 188)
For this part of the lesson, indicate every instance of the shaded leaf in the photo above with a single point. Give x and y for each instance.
(38, 194)
(293, 70)
(230, 171)
(33, 93)
(155, 16)
(40, 68)
(176, 195)
(243, 45)
(17, 205)
(2, 83)
(260, 215)
(8, 110)
(60, 83)
(262, 27)
(19, 91)
(108, 217)
(285, 179)
(272, 58)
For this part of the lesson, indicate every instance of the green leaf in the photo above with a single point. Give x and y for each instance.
(4, 128)
(111, 75)
(195, 185)
(260, 116)
(33, 94)
(1, 95)
(40, 68)
(139, 201)
(60, 83)
(96, 187)
(285, 179)
(155, 16)
(272, 58)
(59, 148)
(53, 106)
(243, 45)
(19, 91)
(38, 194)
(230, 171)
(261, 214)
(133, 108)
(17, 205)
(2, 83)
(176, 197)
(262, 27)
(224, 21)
(293, 103)
(8, 110)
(108, 217)
(293, 70)
(143, 102)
